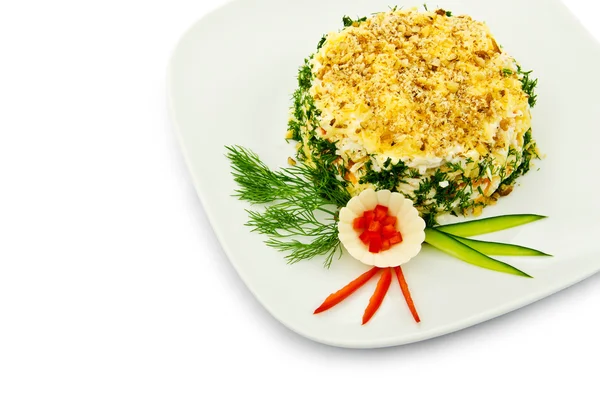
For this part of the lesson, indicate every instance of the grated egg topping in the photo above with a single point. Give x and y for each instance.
(408, 84)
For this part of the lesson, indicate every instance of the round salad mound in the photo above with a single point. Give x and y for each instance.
(426, 104)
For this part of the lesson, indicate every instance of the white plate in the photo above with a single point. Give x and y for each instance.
(230, 83)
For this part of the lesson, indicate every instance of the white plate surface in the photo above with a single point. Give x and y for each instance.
(230, 82)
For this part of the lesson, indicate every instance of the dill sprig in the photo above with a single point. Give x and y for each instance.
(523, 160)
(322, 42)
(389, 177)
(347, 21)
(302, 202)
(529, 85)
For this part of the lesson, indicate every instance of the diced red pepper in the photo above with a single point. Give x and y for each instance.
(380, 212)
(388, 231)
(375, 244)
(365, 237)
(374, 226)
(378, 229)
(373, 234)
(385, 245)
(390, 220)
(369, 216)
(396, 238)
(359, 223)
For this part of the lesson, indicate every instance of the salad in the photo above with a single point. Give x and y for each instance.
(398, 118)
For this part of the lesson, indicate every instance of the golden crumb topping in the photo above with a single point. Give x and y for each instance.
(405, 83)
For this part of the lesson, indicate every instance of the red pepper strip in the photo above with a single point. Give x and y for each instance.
(345, 292)
(406, 293)
(382, 288)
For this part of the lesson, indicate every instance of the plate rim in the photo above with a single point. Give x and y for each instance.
(381, 342)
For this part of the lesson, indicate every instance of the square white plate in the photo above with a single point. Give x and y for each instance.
(230, 82)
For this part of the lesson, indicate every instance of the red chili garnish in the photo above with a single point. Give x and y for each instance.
(406, 293)
(382, 288)
(345, 292)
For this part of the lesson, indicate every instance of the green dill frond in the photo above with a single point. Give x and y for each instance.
(295, 127)
(389, 177)
(257, 183)
(430, 218)
(529, 85)
(300, 216)
(305, 75)
(414, 173)
(326, 244)
(347, 21)
(486, 166)
(455, 167)
(322, 42)
(522, 163)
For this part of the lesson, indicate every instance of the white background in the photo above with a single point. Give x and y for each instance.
(112, 282)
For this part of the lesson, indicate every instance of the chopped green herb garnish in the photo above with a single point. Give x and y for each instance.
(507, 72)
(529, 85)
(305, 76)
(321, 42)
(389, 177)
(304, 111)
(522, 163)
(455, 167)
(295, 127)
(430, 218)
(349, 21)
(448, 13)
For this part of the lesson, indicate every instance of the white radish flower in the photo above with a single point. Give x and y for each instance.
(410, 225)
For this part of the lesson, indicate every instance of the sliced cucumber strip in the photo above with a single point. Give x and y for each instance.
(488, 225)
(451, 246)
(500, 249)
